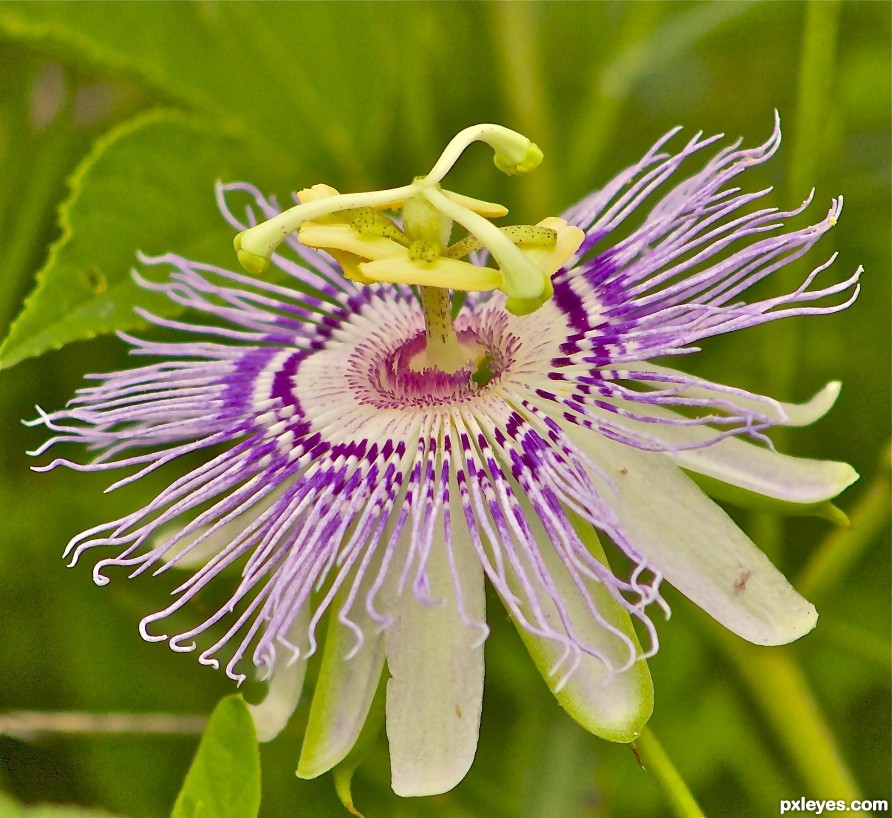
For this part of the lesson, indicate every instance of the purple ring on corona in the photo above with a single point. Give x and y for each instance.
(350, 473)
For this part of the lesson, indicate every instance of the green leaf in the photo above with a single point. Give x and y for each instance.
(224, 779)
(286, 77)
(38, 150)
(10, 809)
(134, 191)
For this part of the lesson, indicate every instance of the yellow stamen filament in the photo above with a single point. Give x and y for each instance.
(370, 247)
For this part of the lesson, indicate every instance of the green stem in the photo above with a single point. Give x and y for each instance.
(783, 340)
(34, 164)
(831, 561)
(855, 640)
(652, 40)
(815, 81)
(53, 160)
(782, 694)
(609, 86)
(808, 147)
(559, 786)
(655, 760)
(515, 26)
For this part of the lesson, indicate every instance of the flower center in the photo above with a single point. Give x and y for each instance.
(397, 375)
(371, 248)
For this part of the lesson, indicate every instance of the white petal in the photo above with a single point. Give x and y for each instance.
(750, 466)
(344, 693)
(202, 553)
(790, 414)
(804, 414)
(696, 545)
(614, 706)
(435, 695)
(754, 468)
(214, 542)
(285, 685)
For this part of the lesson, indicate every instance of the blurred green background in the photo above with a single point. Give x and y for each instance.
(366, 94)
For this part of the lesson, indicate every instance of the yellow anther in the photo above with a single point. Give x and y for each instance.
(489, 210)
(528, 235)
(369, 222)
(549, 259)
(350, 265)
(345, 237)
(315, 193)
(370, 247)
(424, 250)
(523, 235)
(445, 273)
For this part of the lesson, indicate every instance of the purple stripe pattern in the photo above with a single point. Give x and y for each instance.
(324, 469)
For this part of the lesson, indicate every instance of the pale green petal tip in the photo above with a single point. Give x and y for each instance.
(283, 694)
(842, 477)
(626, 720)
(338, 729)
(309, 766)
(847, 476)
(611, 696)
(316, 757)
(800, 622)
(312, 763)
(347, 711)
(804, 414)
(613, 706)
(766, 611)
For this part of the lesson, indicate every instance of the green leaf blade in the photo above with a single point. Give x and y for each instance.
(224, 779)
(133, 192)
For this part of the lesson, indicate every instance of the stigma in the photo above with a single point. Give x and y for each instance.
(414, 249)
